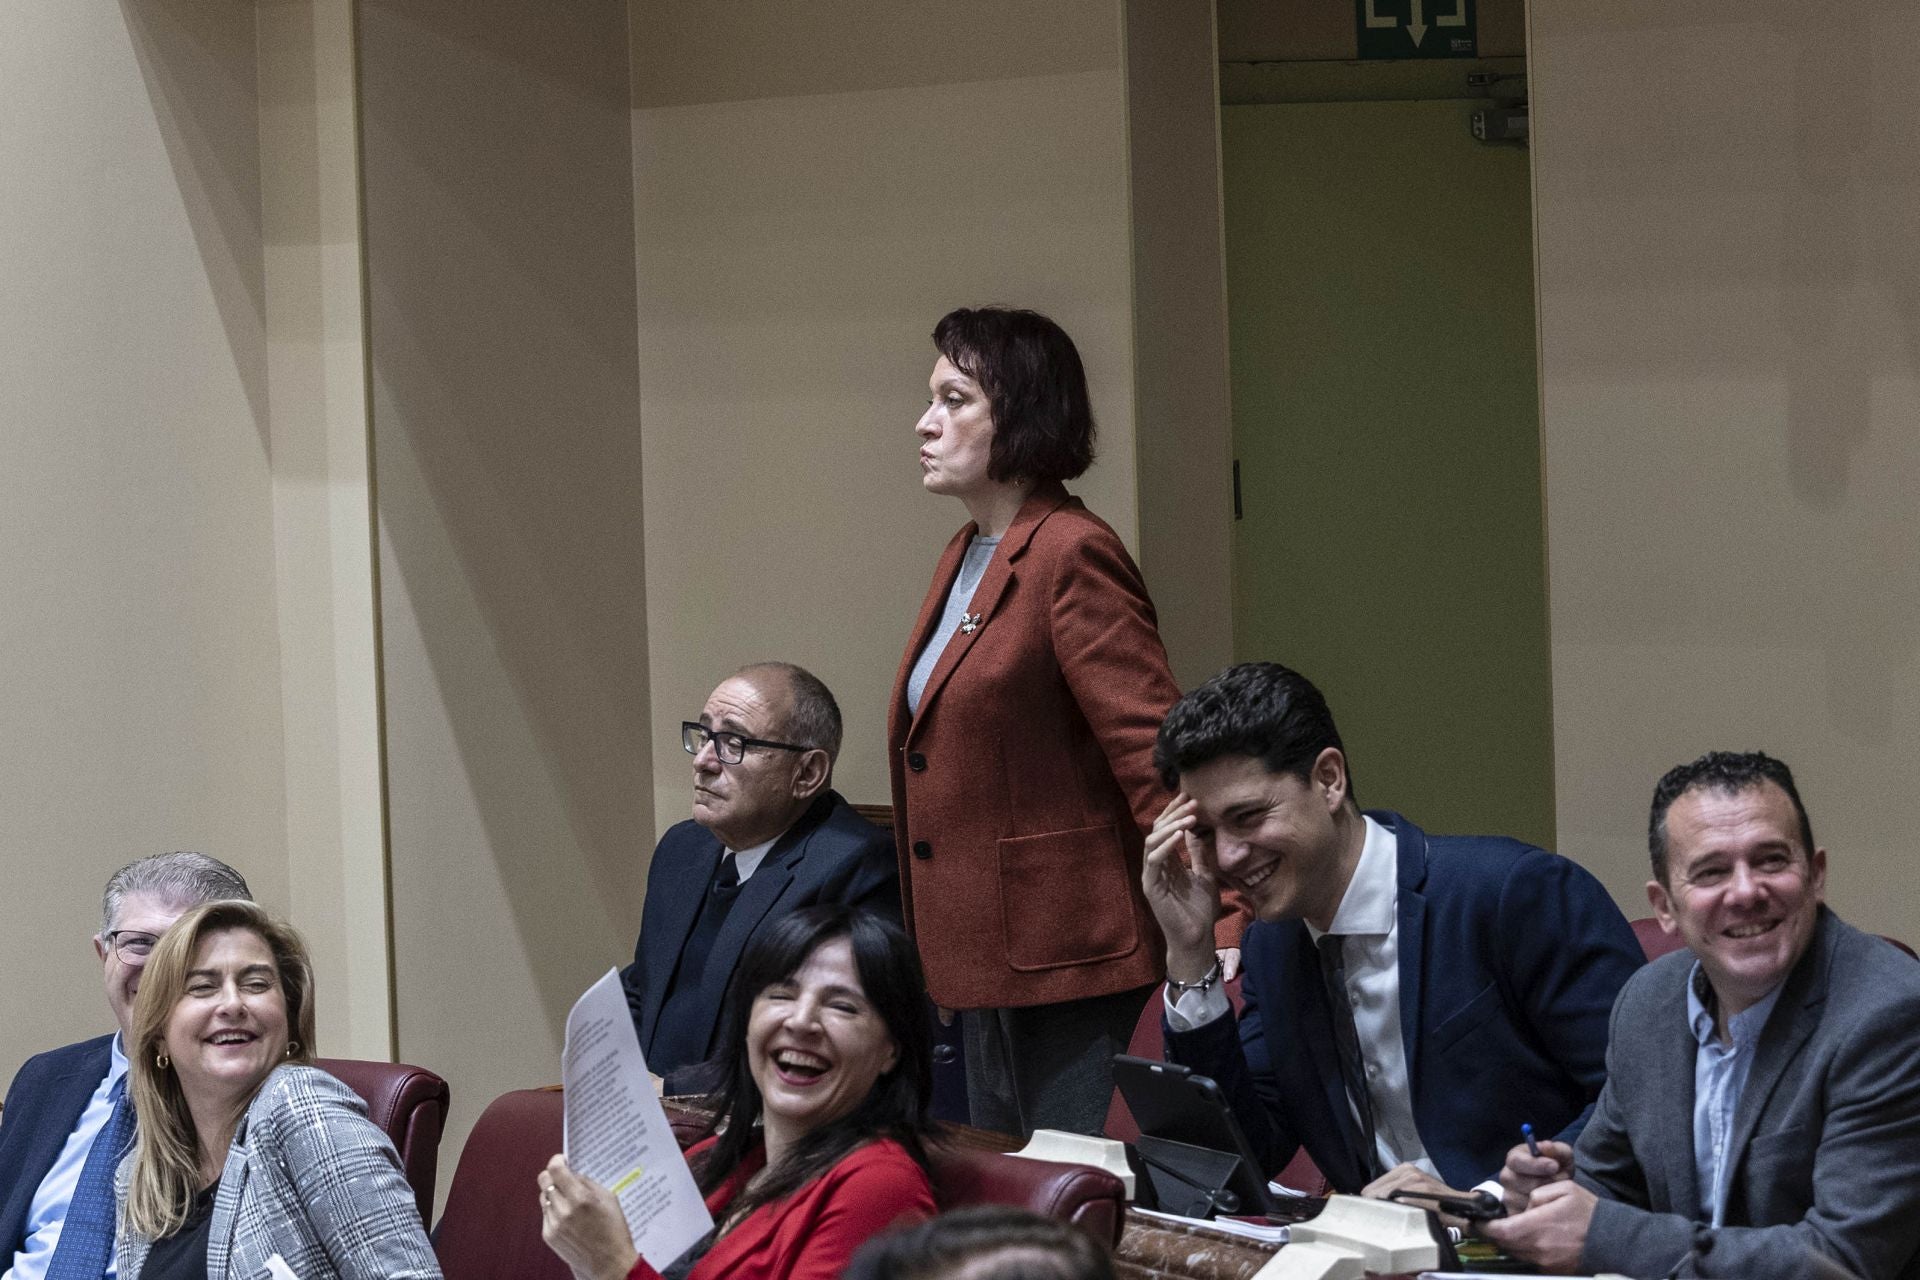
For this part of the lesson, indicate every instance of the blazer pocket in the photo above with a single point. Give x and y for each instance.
(1777, 1174)
(1065, 898)
(1797, 1141)
(1465, 1020)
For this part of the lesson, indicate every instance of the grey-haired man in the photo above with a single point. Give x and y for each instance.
(65, 1102)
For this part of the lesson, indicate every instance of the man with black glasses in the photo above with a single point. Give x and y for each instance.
(68, 1120)
(768, 836)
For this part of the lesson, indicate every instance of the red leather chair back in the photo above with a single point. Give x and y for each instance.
(1655, 941)
(491, 1229)
(1149, 1041)
(1091, 1199)
(410, 1106)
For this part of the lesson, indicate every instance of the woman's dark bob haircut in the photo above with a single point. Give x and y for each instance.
(1035, 385)
(890, 976)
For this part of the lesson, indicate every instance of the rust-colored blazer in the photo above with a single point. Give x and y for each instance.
(1022, 788)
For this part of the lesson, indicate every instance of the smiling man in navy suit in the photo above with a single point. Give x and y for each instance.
(768, 836)
(1410, 999)
(63, 1100)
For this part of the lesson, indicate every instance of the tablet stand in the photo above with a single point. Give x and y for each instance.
(1191, 1181)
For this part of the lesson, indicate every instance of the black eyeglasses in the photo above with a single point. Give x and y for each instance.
(730, 747)
(131, 945)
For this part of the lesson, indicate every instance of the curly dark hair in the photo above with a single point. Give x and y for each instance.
(897, 1107)
(987, 1240)
(1035, 385)
(1728, 772)
(1258, 709)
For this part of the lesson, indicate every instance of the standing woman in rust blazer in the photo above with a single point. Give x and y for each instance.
(1020, 736)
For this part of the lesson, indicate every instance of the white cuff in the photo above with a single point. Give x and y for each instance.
(1190, 1010)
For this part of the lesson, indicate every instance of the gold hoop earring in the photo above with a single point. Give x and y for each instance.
(293, 1047)
(162, 1061)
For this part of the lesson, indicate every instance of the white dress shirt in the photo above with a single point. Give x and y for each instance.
(747, 861)
(1367, 924)
(49, 1207)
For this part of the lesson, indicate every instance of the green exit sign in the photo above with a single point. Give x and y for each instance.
(1416, 28)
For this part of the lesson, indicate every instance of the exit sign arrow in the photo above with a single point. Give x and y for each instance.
(1381, 23)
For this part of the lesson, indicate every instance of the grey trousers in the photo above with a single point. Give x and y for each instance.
(1047, 1066)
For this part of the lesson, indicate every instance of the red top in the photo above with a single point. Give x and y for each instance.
(813, 1233)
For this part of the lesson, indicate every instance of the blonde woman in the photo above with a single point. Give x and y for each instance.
(245, 1151)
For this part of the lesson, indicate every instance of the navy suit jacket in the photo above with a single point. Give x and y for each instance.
(43, 1104)
(1510, 960)
(831, 854)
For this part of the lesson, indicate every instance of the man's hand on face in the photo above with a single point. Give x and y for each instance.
(1525, 1172)
(1180, 883)
(1552, 1233)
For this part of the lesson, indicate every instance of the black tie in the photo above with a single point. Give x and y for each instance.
(1353, 1068)
(726, 881)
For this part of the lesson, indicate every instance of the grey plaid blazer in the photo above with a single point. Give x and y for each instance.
(310, 1178)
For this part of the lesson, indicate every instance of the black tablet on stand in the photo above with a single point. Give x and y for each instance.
(1196, 1157)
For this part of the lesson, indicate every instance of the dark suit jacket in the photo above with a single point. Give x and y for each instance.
(43, 1104)
(1826, 1138)
(1510, 959)
(831, 854)
(1024, 783)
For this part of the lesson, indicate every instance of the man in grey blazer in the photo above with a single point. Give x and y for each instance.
(63, 1102)
(1761, 1115)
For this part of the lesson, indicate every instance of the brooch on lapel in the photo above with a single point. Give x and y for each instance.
(969, 623)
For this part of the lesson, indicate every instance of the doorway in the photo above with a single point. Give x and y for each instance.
(1386, 424)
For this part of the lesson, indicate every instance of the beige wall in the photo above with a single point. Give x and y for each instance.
(1184, 442)
(795, 251)
(1729, 287)
(142, 697)
(499, 228)
(323, 525)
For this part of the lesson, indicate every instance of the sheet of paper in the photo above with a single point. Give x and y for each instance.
(278, 1269)
(1274, 1233)
(617, 1132)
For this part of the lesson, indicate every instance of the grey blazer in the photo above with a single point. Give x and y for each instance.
(1826, 1138)
(310, 1178)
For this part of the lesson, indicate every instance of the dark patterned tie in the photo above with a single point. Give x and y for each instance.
(86, 1236)
(1353, 1067)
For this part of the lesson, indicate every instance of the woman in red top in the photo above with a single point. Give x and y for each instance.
(821, 1116)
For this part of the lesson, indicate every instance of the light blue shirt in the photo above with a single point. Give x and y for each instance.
(973, 567)
(49, 1208)
(1719, 1077)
